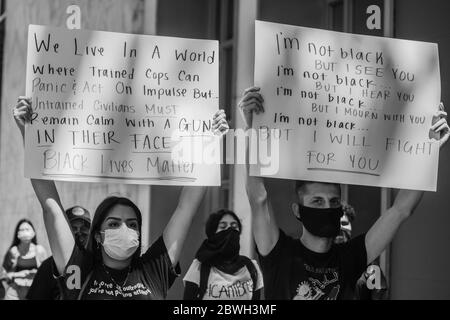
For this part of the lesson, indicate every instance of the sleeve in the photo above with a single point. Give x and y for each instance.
(79, 258)
(256, 296)
(55, 272)
(361, 290)
(260, 282)
(272, 259)
(75, 273)
(193, 274)
(190, 291)
(43, 282)
(355, 257)
(158, 266)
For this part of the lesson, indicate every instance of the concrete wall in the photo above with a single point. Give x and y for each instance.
(187, 19)
(420, 256)
(17, 198)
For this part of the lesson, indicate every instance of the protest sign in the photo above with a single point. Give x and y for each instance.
(348, 108)
(113, 107)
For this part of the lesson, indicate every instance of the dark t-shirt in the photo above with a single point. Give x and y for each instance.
(148, 279)
(45, 286)
(291, 271)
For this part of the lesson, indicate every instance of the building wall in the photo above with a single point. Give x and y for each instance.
(187, 19)
(420, 256)
(17, 198)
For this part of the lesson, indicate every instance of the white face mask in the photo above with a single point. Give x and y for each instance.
(25, 235)
(121, 243)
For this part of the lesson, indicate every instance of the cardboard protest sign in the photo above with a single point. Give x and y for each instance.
(125, 108)
(348, 108)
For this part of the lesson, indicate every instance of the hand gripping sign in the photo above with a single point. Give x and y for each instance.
(348, 108)
(107, 105)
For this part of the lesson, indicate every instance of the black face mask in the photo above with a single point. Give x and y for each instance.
(220, 247)
(324, 223)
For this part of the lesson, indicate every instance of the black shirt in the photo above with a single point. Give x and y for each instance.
(292, 271)
(45, 286)
(148, 279)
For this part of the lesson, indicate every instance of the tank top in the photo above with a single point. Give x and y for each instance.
(26, 264)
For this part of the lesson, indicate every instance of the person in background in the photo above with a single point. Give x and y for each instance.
(112, 266)
(45, 284)
(218, 272)
(3, 279)
(22, 260)
(362, 291)
(2, 289)
(346, 221)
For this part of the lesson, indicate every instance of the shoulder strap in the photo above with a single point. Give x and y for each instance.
(83, 287)
(252, 270)
(205, 269)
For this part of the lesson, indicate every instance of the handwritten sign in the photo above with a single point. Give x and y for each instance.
(107, 107)
(348, 108)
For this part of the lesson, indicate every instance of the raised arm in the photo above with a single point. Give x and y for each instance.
(58, 229)
(385, 228)
(176, 230)
(383, 231)
(264, 226)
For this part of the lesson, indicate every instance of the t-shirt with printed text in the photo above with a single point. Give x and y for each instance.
(148, 279)
(293, 272)
(224, 286)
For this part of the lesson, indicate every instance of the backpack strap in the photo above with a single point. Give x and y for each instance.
(253, 272)
(205, 269)
(83, 287)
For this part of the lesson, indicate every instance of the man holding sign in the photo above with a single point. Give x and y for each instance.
(313, 267)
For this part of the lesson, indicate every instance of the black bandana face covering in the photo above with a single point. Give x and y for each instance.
(324, 223)
(221, 250)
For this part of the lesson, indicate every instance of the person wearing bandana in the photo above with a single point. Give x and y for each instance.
(218, 271)
(314, 267)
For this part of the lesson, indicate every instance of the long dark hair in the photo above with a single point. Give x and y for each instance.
(16, 240)
(214, 219)
(100, 214)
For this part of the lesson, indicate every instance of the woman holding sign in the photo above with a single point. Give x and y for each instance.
(112, 266)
